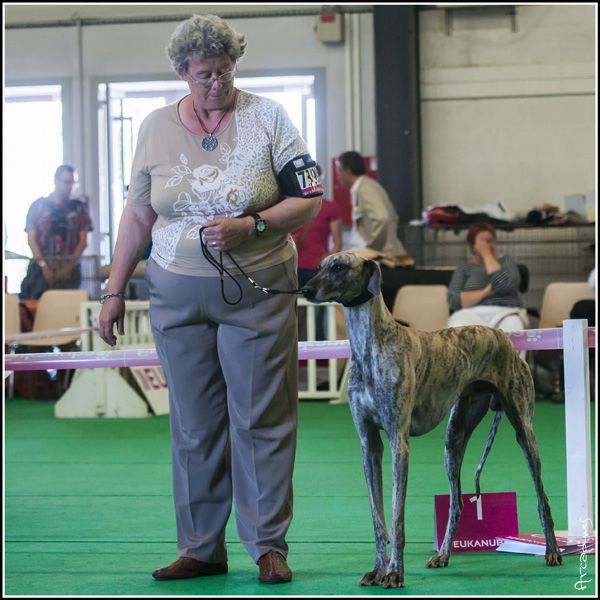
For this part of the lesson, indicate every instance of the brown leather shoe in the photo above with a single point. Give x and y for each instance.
(185, 567)
(273, 568)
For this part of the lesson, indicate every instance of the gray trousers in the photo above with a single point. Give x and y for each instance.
(232, 373)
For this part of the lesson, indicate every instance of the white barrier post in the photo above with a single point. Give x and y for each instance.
(577, 423)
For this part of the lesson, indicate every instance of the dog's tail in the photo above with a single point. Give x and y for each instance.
(487, 449)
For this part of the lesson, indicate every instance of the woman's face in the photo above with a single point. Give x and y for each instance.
(483, 239)
(211, 81)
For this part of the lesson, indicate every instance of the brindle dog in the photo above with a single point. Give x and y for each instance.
(405, 381)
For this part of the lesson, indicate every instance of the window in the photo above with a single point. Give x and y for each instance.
(125, 104)
(33, 149)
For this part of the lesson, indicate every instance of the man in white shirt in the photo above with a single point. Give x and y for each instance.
(374, 219)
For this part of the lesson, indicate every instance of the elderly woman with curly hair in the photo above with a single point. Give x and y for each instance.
(227, 169)
(484, 290)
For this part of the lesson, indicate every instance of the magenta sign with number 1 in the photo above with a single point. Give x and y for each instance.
(482, 522)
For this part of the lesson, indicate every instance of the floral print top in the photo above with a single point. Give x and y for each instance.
(188, 186)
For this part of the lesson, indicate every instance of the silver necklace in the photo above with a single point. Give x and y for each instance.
(210, 142)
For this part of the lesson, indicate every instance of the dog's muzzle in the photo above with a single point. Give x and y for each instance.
(309, 293)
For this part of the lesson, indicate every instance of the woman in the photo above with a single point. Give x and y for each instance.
(485, 289)
(233, 164)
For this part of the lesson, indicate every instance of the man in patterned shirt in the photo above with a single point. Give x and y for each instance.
(57, 228)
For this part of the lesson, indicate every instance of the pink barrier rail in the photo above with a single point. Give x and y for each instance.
(530, 339)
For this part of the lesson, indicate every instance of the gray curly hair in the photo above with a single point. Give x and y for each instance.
(203, 36)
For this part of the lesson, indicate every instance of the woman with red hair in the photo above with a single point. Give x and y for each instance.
(484, 290)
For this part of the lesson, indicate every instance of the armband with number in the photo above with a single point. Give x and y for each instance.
(299, 178)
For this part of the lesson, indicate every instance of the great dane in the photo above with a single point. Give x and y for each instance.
(405, 381)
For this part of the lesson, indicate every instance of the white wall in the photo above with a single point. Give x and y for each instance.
(137, 51)
(506, 115)
(509, 116)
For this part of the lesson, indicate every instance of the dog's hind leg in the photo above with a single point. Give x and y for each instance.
(372, 452)
(527, 441)
(466, 414)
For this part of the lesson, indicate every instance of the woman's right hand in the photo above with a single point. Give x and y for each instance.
(113, 311)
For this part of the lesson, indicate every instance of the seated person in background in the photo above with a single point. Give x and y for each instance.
(313, 239)
(485, 289)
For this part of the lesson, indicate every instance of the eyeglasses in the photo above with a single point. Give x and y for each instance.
(208, 81)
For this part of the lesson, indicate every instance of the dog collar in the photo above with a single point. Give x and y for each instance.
(364, 297)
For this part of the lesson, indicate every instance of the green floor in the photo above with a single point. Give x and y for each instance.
(88, 511)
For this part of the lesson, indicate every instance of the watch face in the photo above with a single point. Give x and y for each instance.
(261, 226)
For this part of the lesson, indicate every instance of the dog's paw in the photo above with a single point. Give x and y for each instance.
(553, 558)
(371, 578)
(437, 561)
(392, 580)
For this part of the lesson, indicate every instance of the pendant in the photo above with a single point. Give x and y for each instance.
(210, 143)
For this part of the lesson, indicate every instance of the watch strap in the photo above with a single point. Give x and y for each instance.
(258, 220)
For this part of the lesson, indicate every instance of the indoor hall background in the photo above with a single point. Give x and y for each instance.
(503, 96)
(507, 113)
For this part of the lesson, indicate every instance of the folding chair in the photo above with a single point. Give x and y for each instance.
(559, 298)
(423, 307)
(56, 309)
(12, 326)
(547, 366)
(12, 321)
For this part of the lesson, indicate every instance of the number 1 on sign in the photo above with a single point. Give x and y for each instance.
(479, 506)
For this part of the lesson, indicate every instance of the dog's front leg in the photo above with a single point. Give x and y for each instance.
(399, 447)
(372, 451)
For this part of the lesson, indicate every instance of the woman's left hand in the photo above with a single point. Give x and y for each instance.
(226, 234)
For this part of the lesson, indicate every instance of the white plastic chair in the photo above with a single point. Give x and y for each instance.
(559, 298)
(12, 326)
(423, 307)
(57, 309)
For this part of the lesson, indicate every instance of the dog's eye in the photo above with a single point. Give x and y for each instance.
(338, 267)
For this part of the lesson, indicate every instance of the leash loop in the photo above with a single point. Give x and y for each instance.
(222, 270)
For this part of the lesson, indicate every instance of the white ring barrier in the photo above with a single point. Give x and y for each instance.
(145, 357)
(529, 339)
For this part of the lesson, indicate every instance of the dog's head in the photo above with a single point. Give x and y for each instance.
(344, 277)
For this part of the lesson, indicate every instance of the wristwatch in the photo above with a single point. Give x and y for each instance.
(260, 225)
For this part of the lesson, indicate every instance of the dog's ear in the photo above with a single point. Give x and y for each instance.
(374, 285)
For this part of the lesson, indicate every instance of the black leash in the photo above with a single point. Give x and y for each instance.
(218, 265)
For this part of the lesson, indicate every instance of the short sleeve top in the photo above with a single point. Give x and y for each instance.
(188, 186)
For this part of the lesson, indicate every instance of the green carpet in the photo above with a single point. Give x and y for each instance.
(88, 511)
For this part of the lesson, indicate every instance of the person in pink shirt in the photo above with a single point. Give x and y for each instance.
(317, 239)
(313, 239)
